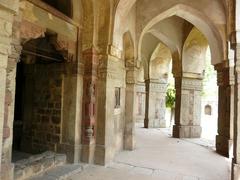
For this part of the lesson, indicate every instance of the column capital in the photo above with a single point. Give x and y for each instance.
(223, 73)
(192, 83)
(192, 75)
(156, 81)
(114, 51)
(221, 66)
(131, 75)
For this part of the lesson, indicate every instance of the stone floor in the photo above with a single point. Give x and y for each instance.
(160, 157)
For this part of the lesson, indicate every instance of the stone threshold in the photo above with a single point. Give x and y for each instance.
(37, 164)
(61, 172)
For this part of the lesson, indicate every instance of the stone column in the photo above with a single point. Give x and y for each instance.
(236, 143)
(90, 58)
(110, 120)
(7, 11)
(130, 109)
(155, 104)
(188, 107)
(232, 96)
(223, 139)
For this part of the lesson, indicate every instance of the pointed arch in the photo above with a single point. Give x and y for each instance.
(199, 20)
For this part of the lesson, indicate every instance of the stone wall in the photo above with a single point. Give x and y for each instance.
(43, 128)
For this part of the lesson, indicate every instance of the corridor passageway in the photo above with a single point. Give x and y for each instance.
(158, 156)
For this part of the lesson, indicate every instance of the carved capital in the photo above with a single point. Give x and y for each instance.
(131, 75)
(223, 74)
(192, 84)
(114, 51)
(156, 86)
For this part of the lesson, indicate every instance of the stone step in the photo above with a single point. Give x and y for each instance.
(37, 164)
(60, 172)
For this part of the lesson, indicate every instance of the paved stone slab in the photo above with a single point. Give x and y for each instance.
(165, 174)
(116, 165)
(60, 172)
(190, 178)
(140, 170)
(159, 157)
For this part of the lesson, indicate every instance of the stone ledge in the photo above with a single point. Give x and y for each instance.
(37, 164)
(61, 172)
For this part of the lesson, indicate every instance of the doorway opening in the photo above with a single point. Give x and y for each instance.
(38, 100)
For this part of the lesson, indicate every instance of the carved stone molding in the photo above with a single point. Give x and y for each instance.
(90, 58)
(189, 84)
(141, 87)
(114, 51)
(131, 76)
(223, 74)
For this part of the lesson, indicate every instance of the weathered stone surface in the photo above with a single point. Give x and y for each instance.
(111, 45)
(155, 104)
(37, 164)
(188, 108)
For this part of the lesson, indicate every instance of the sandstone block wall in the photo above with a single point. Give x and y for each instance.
(43, 129)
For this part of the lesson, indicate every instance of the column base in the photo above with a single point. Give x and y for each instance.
(103, 155)
(235, 172)
(187, 131)
(7, 172)
(129, 142)
(163, 124)
(88, 153)
(224, 146)
(154, 123)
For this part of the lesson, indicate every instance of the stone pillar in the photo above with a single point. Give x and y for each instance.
(130, 110)
(223, 139)
(232, 96)
(7, 11)
(90, 58)
(140, 102)
(236, 143)
(188, 107)
(110, 119)
(155, 104)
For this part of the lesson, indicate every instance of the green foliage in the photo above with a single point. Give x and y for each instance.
(171, 97)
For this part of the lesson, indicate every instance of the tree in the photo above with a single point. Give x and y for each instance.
(170, 101)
